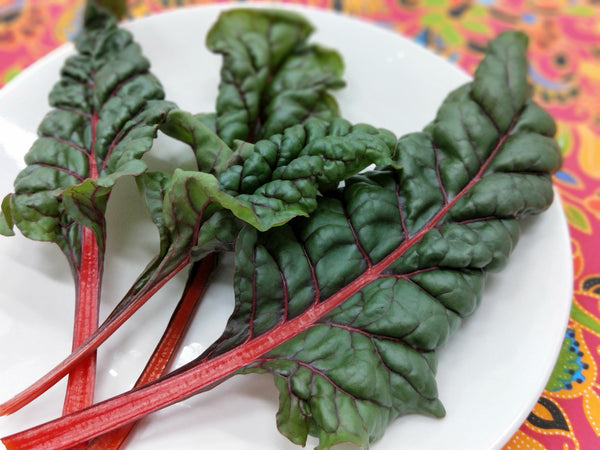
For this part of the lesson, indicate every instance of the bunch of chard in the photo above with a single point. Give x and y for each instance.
(344, 293)
(106, 110)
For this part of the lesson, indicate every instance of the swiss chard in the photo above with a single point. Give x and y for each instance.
(264, 184)
(348, 307)
(107, 107)
(270, 77)
(289, 188)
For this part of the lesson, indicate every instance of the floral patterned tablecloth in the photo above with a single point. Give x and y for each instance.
(565, 71)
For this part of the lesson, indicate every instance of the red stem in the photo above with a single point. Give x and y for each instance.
(81, 382)
(197, 376)
(133, 301)
(167, 347)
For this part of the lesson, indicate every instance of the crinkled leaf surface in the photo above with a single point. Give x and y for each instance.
(285, 172)
(270, 74)
(106, 110)
(299, 90)
(279, 179)
(356, 300)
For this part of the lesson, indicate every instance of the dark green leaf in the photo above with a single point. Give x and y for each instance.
(279, 180)
(153, 187)
(269, 74)
(299, 90)
(358, 298)
(329, 152)
(106, 110)
(6, 220)
(504, 93)
(217, 234)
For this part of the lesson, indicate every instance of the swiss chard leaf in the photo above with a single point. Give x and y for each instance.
(106, 111)
(299, 90)
(280, 178)
(369, 287)
(286, 171)
(269, 74)
(212, 154)
(153, 187)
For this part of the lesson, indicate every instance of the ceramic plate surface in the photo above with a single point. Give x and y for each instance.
(490, 374)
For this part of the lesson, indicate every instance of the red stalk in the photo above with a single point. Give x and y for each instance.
(80, 386)
(197, 376)
(133, 301)
(154, 277)
(82, 380)
(167, 347)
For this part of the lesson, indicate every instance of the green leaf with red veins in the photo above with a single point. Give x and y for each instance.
(300, 90)
(284, 174)
(270, 76)
(280, 179)
(369, 287)
(106, 109)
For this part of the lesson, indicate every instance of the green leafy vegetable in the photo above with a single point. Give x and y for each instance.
(299, 90)
(448, 217)
(106, 111)
(347, 308)
(270, 77)
(276, 179)
(298, 163)
(212, 154)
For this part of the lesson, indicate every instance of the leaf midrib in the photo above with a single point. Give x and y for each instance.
(210, 370)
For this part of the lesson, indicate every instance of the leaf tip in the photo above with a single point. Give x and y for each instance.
(116, 8)
(6, 217)
(435, 408)
(507, 39)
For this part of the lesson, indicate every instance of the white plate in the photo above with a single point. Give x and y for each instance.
(490, 374)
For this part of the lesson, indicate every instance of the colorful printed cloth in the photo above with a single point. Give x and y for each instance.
(565, 72)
